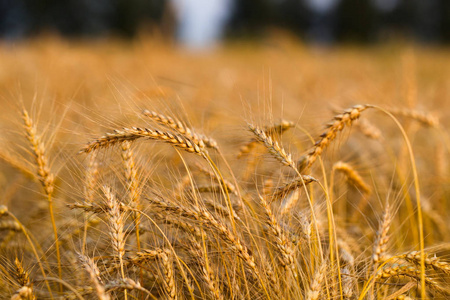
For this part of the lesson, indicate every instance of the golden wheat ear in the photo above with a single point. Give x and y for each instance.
(338, 123)
(135, 133)
(272, 146)
(179, 127)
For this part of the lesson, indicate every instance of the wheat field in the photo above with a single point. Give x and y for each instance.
(271, 170)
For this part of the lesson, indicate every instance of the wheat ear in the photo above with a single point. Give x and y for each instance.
(116, 219)
(292, 185)
(369, 129)
(181, 128)
(352, 176)
(166, 259)
(431, 262)
(380, 245)
(23, 277)
(132, 183)
(45, 176)
(278, 128)
(205, 269)
(274, 148)
(201, 215)
(134, 133)
(413, 272)
(316, 284)
(426, 119)
(94, 274)
(282, 243)
(338, 124)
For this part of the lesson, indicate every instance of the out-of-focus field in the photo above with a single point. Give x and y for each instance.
(233, 221)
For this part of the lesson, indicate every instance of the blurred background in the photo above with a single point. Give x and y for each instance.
(204, 23)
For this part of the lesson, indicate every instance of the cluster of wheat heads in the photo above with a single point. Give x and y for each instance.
(273, 224)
